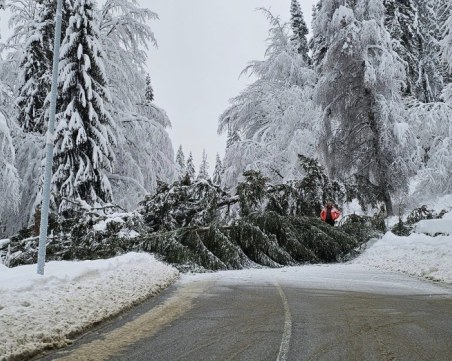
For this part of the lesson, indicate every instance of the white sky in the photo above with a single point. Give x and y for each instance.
(203, 47)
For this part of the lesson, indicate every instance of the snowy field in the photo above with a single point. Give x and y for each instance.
(42, 312)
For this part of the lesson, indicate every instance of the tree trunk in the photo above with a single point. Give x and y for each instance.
(37, 225)
(381, 168)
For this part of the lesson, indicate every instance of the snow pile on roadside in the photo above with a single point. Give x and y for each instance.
(418, 255)
(41, 312)
(435, 226)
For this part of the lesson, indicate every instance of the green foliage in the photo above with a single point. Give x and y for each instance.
(251, 192)
(304, 197)
(190, 224)
(400, 229)
(183, 204)
(77, 237)
(367, 194)
(315, 189)
(361, 227)
(422, 213)
(265, 238)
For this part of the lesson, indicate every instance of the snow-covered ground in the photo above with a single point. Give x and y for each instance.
(38, 312)
(425, 253)
(418, 255)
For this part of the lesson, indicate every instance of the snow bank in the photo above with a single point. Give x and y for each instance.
(418, 255)
(435, 226)
(41, 312)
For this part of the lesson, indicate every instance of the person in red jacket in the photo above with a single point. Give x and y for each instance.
(330, 214)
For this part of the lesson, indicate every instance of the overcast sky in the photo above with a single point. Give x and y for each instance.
(203, 47)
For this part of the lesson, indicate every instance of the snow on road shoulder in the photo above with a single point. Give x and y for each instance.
(418, 255)
(435, 226)
(40, 312)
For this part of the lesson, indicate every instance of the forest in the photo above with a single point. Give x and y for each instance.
(356, 109)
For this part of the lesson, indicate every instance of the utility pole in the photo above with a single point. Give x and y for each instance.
(50, 139)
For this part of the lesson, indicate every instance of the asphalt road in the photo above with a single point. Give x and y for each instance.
(306, 313)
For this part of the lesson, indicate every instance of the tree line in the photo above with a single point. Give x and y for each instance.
(368, 95)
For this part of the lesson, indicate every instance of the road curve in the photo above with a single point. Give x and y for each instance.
(339, 312)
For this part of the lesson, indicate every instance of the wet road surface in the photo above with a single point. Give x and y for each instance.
(305, 313)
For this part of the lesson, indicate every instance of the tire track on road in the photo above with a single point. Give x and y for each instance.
(140, 328)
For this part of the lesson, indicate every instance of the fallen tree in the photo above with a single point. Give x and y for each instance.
(201, 226)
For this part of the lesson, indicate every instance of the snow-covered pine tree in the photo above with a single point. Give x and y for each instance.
(84, 134)
(430, 82)
(190, 168)
(446, 46)
(149, 90)
(29, 147)
(300, 31)
(36, 67)
(443, 11)
(146, 107)
(316, 43)
(218, 171)
(204, 167)
(432, 124)
(2, 4)
(359, 91)
(232, 137)
(180, 162)
(414, 27)
(402, 23)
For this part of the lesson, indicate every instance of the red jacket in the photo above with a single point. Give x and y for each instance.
(335, 214)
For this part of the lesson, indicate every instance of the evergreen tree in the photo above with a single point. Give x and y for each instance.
(204, 167)
(445, 15)
(2, 4)
(414, 28)
(232, 137)
(36, 69)
(430, 82)
(300, 31)
(430, 118)
(190, 168)
(431, 74)
(317, 43)
(218, 171)
(401, 21)
(359, 91)
(83, 148)
(149, 91)
(180, 162)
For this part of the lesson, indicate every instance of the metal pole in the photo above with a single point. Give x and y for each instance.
(50, 139)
